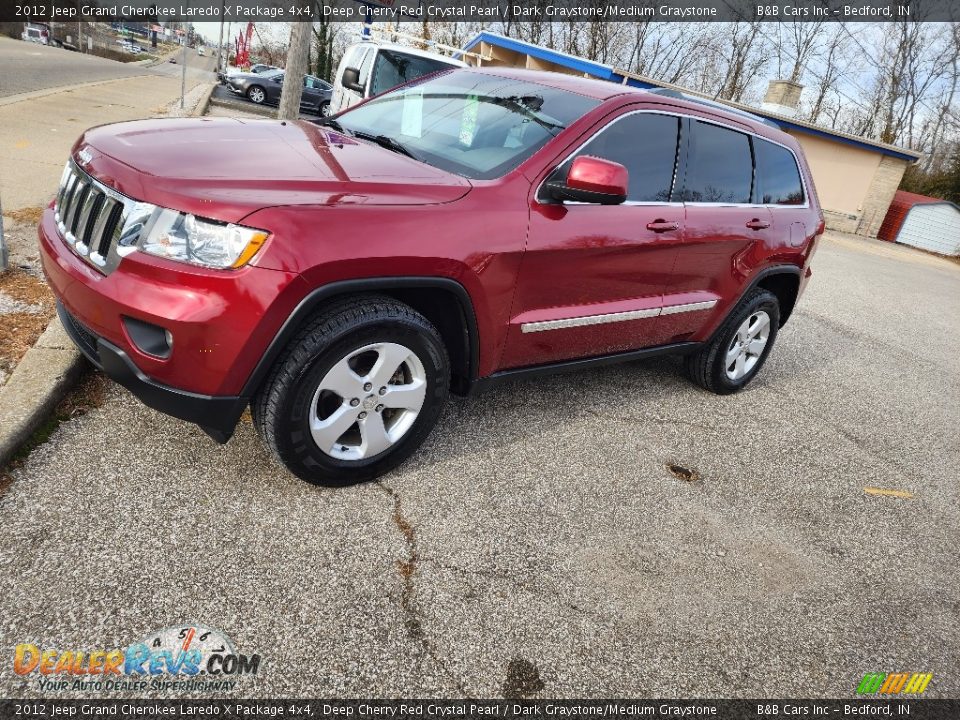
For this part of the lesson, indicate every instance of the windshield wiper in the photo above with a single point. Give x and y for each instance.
(330, 122)
(385, 141)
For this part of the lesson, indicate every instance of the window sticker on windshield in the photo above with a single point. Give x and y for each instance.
(468, 122)
(411, 116)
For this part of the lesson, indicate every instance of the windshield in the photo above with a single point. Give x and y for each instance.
(395, 68)
(475, 125)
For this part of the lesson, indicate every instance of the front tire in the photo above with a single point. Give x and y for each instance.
(256, 94)
(739, 347)
(355, 393)
(324, 110)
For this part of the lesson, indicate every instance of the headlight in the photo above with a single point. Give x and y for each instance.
(183, 237)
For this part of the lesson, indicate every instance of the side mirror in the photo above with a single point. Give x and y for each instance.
(592, 180)
(351, 79)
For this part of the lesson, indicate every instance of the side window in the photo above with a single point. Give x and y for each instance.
(719, 166)
(646, 144)
(366, 64)
(778, 176)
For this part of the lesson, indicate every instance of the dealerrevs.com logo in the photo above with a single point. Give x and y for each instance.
(895, 683)
(187, 657)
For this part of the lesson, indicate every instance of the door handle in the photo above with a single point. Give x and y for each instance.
(758, 224)
(660, 225)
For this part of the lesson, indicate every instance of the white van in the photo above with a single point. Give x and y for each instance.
(370, 68)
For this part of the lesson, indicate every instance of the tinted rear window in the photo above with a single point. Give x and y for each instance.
(777, 174)
(719, 166)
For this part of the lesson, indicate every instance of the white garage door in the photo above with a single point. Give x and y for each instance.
(932, 227)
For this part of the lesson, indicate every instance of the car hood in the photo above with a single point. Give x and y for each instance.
(226, 168)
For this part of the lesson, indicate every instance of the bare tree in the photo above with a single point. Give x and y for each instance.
(296, 68)
(831, 68)
(748, 55)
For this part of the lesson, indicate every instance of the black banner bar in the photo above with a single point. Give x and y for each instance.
(490, 11)
(913, 708)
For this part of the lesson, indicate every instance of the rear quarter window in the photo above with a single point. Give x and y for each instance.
(778, 176)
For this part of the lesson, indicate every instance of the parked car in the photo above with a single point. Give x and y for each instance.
(266, 88)
(255, 69)
(370, 68)
(342, 277)
(200, 52)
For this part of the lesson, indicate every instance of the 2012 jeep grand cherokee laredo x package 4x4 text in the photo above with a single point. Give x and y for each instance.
(342, 277)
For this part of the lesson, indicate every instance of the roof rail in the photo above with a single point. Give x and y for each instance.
(670, 92)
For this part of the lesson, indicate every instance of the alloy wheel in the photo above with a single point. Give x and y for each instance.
(367, 401)
(747, 345)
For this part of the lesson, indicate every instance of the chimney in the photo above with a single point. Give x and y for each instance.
(783, 97)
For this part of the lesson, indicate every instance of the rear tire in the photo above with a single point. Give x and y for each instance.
(355, 393)
(739, 347)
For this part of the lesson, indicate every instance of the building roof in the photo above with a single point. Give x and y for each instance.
(623, 77)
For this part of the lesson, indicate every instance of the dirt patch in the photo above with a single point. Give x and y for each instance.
(29, 215)
(18, 332)
(685, 474)
(523, 679)
(21, 285)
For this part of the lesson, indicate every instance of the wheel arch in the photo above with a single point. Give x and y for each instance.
(430, 296)
(784, 282)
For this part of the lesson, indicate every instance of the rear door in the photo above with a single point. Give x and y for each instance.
(725, 222)
(314, 93)
(591, 279)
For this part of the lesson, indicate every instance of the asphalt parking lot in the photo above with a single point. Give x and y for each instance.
(539, 545)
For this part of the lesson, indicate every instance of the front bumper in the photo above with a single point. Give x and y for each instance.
(216, 415)
(219, 323)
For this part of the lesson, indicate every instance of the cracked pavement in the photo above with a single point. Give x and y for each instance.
(539, 545)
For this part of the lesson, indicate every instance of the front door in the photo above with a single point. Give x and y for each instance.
(592, 276)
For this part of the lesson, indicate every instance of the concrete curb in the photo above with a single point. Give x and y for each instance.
(248, 107)
(41, 379)
(201, 108)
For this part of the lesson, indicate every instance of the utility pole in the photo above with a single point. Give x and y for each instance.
(220, 66)
(183, 70)
(296, 68)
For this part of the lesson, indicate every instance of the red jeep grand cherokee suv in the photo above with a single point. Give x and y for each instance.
(341, 278)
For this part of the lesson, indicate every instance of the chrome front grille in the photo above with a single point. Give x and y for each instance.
(92, 217)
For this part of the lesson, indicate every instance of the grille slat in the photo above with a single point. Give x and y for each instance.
(67, 197)
(91, 202)
(103, 229)
(91, 217)
(76, 205)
